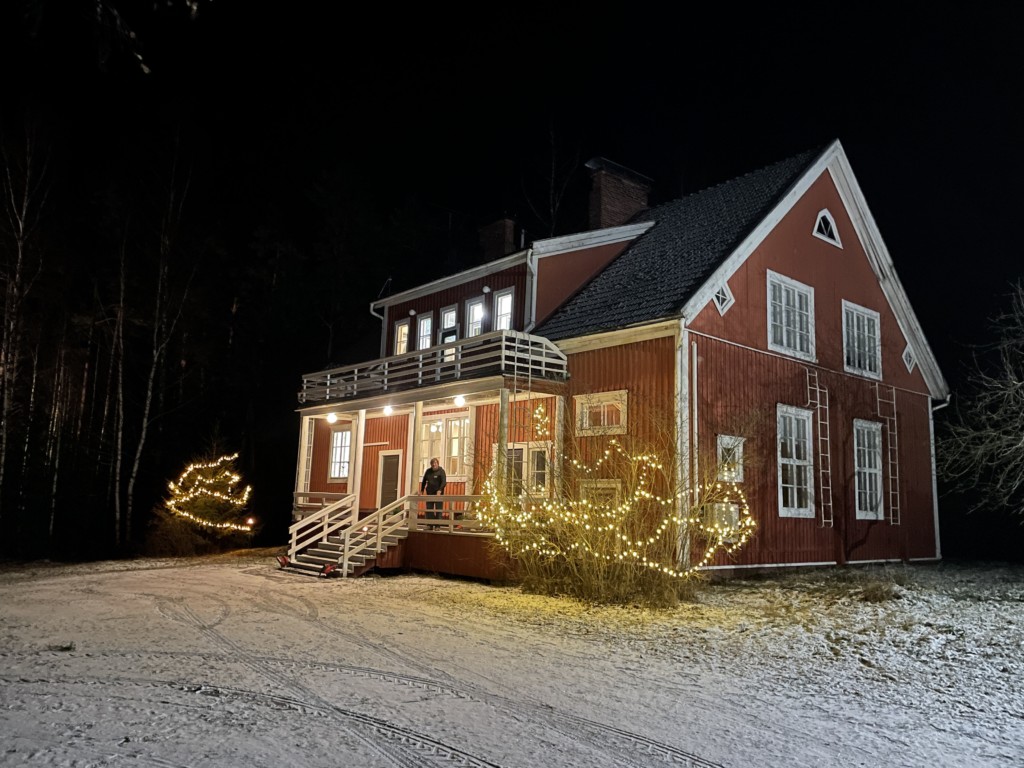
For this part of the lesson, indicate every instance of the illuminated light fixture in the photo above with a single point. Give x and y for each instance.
(433, 427)
(388, 410)
(486, 289)
(251, 521)
(332, 418)
(412, 312)
(460, 400)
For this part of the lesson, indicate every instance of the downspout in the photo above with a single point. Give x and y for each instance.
(531, 291)
(384, 327)
(682, 405)
(935, 479)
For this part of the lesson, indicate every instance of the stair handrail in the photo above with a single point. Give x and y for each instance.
(342, 513)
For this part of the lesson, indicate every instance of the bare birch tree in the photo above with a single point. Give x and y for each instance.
(982, 447)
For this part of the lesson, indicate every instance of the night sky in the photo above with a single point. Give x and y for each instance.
(444, 119)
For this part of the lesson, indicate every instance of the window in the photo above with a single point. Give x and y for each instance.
(867, 462)
(908, 358)
(503, 310)
(474, 317)
(603, 493)
(601, 413)
(825, 229)
(861, 346)
(425, 332)
(449, 331)
(724, 299)
(527, 468)
(341, 451)
(723, 515)
(446, 437)
(796, 466)
(790, 316)
(401, 337)
(730, 458)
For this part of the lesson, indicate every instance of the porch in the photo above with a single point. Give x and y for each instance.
(334, 539)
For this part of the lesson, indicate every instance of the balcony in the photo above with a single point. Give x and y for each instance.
(501, 353)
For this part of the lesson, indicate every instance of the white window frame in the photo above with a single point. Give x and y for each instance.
(500, 323)
(475, 328)
(339, 456)
(831, 233)
(725, 514)
(599, 491)
(862, 351)
(436, 443)
(787, 414)
(425, 340)
(584, 404)
(867, 468)
(448, 333)
(789, 318)
(908, 358)
(726, 445)
(724, 299)
(530, 451)
(401, 339)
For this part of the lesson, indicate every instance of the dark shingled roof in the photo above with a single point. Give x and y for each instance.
(658, 273)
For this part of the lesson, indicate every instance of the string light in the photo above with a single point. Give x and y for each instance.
(570, 527)
(204, 481)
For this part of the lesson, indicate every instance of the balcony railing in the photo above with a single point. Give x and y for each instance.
(509, 353)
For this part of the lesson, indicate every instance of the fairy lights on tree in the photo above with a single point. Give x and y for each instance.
(209, 495)
(613, 535)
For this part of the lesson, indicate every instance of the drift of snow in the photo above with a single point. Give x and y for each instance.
(229, 661)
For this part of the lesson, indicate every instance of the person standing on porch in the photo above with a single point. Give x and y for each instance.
(433, 483)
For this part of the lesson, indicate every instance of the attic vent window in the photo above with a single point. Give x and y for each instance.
(724, 299)
(826, 230)
(908, 359)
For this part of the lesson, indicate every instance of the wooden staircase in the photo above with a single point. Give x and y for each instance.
(335, 541)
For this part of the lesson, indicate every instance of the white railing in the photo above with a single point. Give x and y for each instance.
(510, 353)
(363, 538)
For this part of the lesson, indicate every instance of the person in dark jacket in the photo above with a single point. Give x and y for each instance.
(433, 483)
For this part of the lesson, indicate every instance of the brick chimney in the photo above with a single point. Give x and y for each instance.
(498, 239)
(616, 193)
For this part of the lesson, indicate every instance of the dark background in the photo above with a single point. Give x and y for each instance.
(330, 150)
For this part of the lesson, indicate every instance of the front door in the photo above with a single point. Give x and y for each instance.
(388, 474)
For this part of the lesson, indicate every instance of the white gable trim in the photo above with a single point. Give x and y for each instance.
(453, 280)
(834, 161)
(581, 240)
(618, 337)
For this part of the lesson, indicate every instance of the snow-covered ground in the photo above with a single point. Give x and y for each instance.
(230, 662)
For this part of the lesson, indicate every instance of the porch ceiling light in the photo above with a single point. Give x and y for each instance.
(387, 410)
(332, 418)
(460, 400)
(412, 312)
(486, 289)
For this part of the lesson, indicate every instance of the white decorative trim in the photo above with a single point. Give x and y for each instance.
(428, 289)
(581, 240)
(908, 358)
(723, 299)
(607, 339)
(825, 228)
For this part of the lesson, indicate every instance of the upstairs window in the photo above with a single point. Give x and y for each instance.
(401, 337)
(861, 344)
(825, 229)
(448, 332)
(474, 317)
(503, 310)
(790, 317)
(601, 413)
(724, 299)
(425, 331)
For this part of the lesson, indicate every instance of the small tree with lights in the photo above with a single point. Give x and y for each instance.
(205, 510)
(620, 528)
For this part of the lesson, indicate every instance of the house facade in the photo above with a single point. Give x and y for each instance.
(757, 330)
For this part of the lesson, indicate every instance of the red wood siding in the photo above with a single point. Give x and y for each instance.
(513, 277)
(318, 480)
(647, 371)
(561, 275)
(522, 428)
(383, 433)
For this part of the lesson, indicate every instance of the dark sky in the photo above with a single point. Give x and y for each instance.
(457, 107)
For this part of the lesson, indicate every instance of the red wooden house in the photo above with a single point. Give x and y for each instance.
(770, 299)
